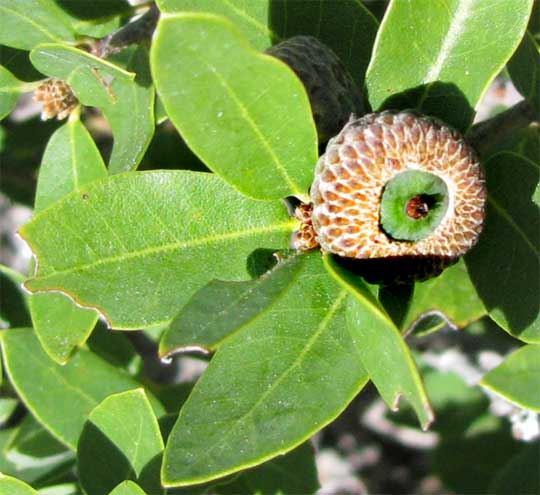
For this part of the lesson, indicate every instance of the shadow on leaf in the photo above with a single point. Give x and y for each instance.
(101, 464)
(437, 99)
(504, 265)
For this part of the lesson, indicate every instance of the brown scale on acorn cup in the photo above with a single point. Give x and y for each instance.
(397, 196)
(57, 99)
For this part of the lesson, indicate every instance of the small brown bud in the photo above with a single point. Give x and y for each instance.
(57, 99)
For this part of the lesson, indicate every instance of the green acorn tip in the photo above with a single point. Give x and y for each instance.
(413, 204)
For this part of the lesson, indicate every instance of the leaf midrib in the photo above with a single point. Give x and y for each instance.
(34, 24)
(284, 226)
(340, 298)
(512, 223)
(253, 125)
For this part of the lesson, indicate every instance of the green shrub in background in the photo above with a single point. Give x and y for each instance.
(181, 260)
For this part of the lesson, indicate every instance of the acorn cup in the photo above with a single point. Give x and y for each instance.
(397, 196)
(332, 92)
(57, 99)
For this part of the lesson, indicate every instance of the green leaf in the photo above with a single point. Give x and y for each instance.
(220, 309)
(290, 372)
(441, 55)
(507, 254)
(13, 486)
(132, 116)
(47, 388)
(520, 474)
(115, 348)
(36, 476)
(451, 294)
(128, 488)
(71, 160)
(249, 16)
(62, 61)
(160, 114)
(292, 474)
(125, 97)
(10, 89)
(246, 115)
(466, 464)
(138, 246)
(33, 446)
(7, 408)
(13, 300)
(121, 440)
(95, 19)
(346, 26)
(18, 63)
(381, 348)
(524, 69)
(26, 23)
(517, 378)
(60, 325)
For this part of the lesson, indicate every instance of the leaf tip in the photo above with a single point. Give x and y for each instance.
(429, 417)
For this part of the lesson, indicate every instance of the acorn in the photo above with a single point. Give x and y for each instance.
(398, 196)
(332, 92)
(57, 99)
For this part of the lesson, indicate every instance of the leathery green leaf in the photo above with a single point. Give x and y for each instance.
(517, 378)
(346, 26)
(221, 308)
(520, 474)
(128, 488)
(132, 135)
(26, 23)
(381, 348)
(33, 446)
(139, 261)
(524, 69)
(8, 405)
(60, 61)
(441, 53)
(121, 440)
(510, 242)
(291, 474)
(451, 295)
(126, 97)
(245, 114)
(13, 299)
(47, 387)
(290, 372)
(11, 486)
(10, 89)
(251, 17)
(71, 159)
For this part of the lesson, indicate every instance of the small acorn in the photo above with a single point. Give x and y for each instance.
(402, 191)
(332, 92)
(57, 99)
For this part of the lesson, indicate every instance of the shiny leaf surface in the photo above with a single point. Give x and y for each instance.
(139, 261)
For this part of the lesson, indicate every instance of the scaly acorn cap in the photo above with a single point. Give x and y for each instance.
(401, 187)
(57, 99)
(331, 89)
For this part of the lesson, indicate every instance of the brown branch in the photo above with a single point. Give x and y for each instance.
(489, 132)
(134, 32)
